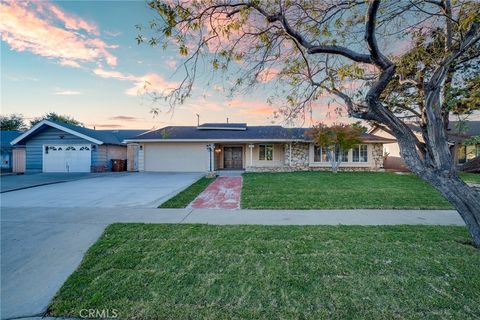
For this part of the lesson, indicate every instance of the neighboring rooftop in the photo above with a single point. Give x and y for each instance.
(104, 136)
(7, 136)
(468, 128)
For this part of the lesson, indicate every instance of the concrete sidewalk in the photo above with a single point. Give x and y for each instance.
(106, 216)
(41, 247)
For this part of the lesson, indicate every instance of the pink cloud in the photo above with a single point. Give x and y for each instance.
(150, 82)
(27, 26)
(69, 63)
(71, 22)
(251, 107)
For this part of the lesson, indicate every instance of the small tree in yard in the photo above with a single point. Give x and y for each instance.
(335, 140)
(386, 61)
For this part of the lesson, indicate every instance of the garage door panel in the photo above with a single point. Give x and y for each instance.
(176, 157)
(67, 158)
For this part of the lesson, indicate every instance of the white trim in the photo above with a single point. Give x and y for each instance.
(56, 126)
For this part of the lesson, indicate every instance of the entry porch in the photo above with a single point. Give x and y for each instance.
(248, 156)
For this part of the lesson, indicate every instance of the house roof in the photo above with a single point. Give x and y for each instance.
(472, 128)
(95, 136)
(250, 133)
(7, 136)
(223, 126)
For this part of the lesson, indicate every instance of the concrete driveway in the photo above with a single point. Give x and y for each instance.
(46, 230)
(105, 191)
(21, 181)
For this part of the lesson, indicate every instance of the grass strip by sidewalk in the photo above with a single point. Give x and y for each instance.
(148, 271)
(183, 199)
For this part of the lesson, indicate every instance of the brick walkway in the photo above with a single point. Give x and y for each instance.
(223, 193)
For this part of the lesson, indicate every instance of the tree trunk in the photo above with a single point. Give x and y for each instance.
(464, 198)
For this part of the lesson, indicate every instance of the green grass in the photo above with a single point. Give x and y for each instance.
(470, 177)
(276, 272)
(184, 198)
(344, 190)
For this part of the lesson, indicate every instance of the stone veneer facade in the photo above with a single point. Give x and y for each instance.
(300, 160)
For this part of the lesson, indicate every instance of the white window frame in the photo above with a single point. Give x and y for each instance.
(359, 149)
(265, 155)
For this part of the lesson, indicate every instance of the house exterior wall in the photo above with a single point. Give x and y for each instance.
(374, 160)
(252, 156)
(34, 147)
(100, 155)
(193, 157)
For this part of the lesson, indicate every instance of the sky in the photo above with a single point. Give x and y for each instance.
(80, 58)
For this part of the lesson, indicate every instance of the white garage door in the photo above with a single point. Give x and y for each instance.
(67, 158)
(175, 157)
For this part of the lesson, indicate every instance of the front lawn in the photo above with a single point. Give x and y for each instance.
(183, 199)
(344, 190)
(147, 271)
(470, 177)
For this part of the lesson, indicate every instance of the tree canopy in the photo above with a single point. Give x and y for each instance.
(387, 62)
(12, 122)
(53, 116)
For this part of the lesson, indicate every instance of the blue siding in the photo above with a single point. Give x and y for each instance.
(34, 146)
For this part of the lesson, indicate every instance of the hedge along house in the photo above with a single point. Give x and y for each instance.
(59, 147)
(236, 146)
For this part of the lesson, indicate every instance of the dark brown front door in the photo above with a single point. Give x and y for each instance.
(232, 158)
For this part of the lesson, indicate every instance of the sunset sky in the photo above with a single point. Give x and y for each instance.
(80, 58)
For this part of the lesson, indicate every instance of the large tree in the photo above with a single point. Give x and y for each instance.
(402, 58)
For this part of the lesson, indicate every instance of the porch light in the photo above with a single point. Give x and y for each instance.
(218, 150)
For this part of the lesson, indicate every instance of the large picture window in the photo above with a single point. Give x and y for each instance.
(341, 154)
(360, 153)
(266, 152)
(320, 154)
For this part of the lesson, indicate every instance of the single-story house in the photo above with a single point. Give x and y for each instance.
(236, 146)
(6, 148)
(58, 147)
(461, 153)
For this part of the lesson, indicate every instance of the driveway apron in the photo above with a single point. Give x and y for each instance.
(223, 193)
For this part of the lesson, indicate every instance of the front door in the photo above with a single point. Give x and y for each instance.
(232, 158)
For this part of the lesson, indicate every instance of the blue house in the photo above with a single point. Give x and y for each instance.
(6, 149)
(58, 147)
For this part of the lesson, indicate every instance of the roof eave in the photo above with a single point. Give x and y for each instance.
(56, 126)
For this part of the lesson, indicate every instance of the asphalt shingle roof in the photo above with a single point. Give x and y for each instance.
(252, 133)
(7, 136)
(106, 136)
